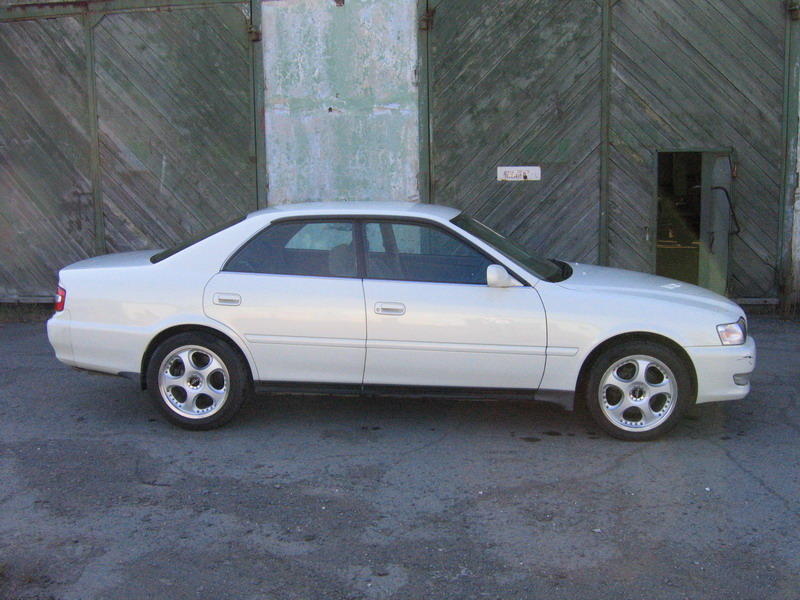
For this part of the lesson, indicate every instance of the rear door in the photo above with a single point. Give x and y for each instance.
(432, 320)
(294, 295)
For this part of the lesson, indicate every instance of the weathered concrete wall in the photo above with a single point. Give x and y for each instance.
(341, 100)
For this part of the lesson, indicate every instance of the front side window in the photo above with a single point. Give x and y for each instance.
(315, 249)
(549, 270)
(419, 252)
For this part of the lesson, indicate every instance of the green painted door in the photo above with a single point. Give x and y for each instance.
(591, 91)
(175, 116)
(693, 75)
(517, 83)
(120, 131)
(46, 208)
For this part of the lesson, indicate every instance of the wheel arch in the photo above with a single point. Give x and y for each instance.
(636, 336)
(192, 328)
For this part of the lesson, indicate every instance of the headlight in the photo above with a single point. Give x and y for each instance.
(733, 334)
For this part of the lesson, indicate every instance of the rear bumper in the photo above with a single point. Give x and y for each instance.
(58, 334)
(716, 368)
(96, 348)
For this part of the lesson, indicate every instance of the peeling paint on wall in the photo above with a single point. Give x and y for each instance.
(341, 100)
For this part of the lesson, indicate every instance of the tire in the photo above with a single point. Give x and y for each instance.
(197, 381)
(638, 390)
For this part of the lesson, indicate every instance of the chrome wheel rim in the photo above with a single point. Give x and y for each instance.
(194, 382)
(638, 393)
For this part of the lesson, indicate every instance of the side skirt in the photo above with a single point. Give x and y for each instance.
(563, 398)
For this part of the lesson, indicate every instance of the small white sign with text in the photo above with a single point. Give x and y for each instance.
(519, 173)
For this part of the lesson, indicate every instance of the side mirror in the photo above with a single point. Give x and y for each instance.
(498, 277)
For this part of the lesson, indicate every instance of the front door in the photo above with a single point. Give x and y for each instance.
(432, 320)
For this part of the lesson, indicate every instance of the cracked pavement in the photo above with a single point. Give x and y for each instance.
(325, 497)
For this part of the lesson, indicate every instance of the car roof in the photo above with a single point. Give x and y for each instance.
(359, 208)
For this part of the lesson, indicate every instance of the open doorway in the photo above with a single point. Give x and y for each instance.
(694, 217)
(679, 207)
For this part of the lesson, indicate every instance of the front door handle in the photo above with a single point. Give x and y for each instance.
(390, 308)
(227, 299)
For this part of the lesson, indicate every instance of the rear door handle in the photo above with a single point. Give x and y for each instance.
(227, 299)
(390, 308)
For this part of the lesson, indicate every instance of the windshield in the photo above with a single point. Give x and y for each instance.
(550, 270)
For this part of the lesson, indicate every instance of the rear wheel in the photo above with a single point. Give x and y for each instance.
(196, 381)
(638, 390)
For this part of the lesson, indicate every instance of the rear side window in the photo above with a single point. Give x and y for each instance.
(314, 249)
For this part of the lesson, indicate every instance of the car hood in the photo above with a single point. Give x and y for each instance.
(632, 284)
(139, 258)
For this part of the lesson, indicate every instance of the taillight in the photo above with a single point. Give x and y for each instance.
(60, 299)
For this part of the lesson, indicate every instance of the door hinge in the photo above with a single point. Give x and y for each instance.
(254, 33)
(426, 20)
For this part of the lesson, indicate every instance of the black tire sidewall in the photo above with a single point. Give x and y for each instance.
(685, 395)
(237, 380)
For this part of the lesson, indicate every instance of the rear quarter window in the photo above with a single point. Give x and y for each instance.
(163, 254)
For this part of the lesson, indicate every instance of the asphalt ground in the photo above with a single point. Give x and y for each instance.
(346, 498)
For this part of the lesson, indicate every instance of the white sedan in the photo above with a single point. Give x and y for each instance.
(397, 298)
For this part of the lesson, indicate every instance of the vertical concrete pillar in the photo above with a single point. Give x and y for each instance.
(341, 99)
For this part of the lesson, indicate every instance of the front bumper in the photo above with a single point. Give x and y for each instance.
(716, 368)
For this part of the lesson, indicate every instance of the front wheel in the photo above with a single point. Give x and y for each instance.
(196, 381)
(638, 390)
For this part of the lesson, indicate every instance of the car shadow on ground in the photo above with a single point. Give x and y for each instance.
(531, 421)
